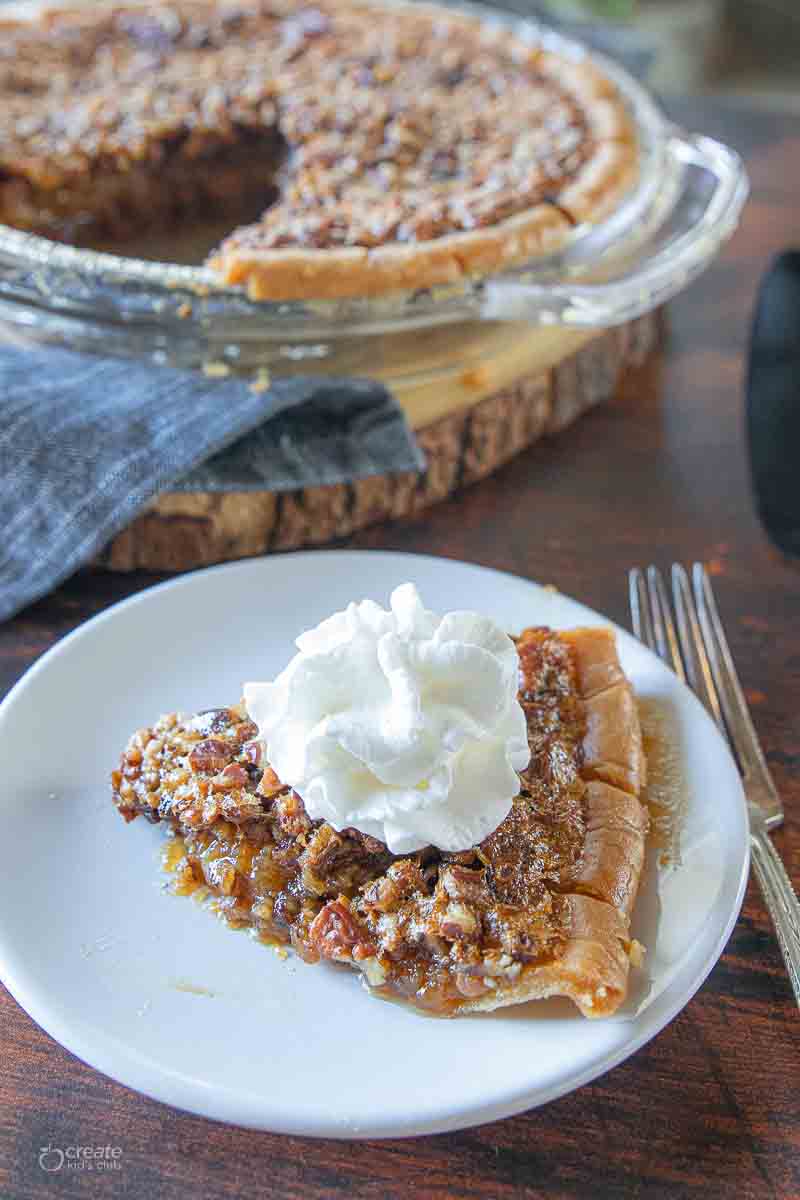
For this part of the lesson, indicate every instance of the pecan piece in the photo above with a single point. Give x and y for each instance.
(285, 909)
(254, 752)
(470, 985)
(464, 858)
(239, 806)
(211, 755)
(270, 786)
(336, 934)
(291, 815)
(224, 876)
(245, 731)
(402, 880)
(335, 863)
(213, 720)
(234, 776)
(371, 845)
(463, 883)
(457, 922)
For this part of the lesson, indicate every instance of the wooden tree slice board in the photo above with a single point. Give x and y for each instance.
(467, 429)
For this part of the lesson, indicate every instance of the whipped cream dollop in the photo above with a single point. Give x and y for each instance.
(404, 725)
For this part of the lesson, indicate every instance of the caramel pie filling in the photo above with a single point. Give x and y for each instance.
(436, 929)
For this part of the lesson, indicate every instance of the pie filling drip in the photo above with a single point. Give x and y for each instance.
(323, 127)
(438, 929)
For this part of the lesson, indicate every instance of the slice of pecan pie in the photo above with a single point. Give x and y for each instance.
(379, 148)
(540, 908)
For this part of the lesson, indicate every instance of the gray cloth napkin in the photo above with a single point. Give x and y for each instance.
(86, 442)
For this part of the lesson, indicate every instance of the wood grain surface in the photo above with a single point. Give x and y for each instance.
(712, 1106)
(184, 530)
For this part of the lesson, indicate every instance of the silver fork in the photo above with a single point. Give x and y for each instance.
(693, 643)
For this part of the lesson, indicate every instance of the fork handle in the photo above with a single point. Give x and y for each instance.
(781, 901)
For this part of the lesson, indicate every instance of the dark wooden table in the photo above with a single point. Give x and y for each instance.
(712, 1106)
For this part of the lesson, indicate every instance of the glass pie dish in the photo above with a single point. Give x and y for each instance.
(686, 203)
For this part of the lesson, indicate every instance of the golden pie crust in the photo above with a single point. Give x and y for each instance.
(541, 908)
(388, 148)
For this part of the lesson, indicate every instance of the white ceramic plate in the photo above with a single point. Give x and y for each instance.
(155, 992)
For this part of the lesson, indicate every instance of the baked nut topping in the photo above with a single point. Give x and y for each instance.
(386, 147)
(541, 907)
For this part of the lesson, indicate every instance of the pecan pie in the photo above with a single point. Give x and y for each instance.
(540, 908)
(380, 148)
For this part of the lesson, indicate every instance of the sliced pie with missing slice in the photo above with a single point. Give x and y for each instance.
(348, 149)
(540, 908)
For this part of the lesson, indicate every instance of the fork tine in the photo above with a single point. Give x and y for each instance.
(698, 669)
(663, 624)
(641, 617)
(734, 705)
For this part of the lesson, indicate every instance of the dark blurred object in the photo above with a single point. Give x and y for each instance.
(761, 59)
(767, 29)
(672, 45)
(741, 47)
(773, 402)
